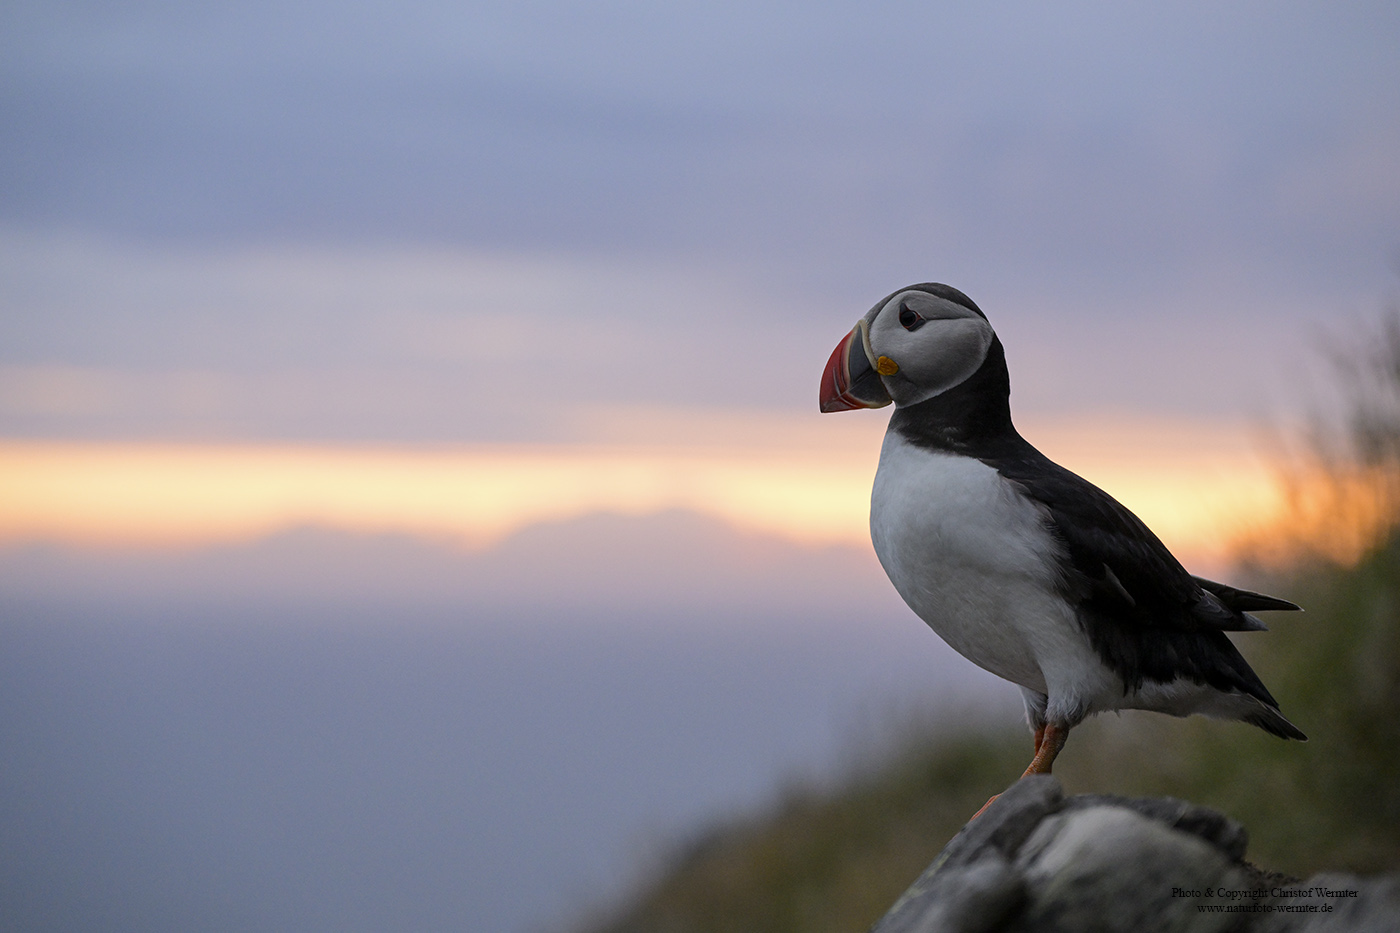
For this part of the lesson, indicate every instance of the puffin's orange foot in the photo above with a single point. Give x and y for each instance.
(1047, 747)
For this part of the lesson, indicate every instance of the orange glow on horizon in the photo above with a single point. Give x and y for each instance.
(1200, 487)
(88, 493)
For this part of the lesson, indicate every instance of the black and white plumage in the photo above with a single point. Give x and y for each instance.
(1023, 567)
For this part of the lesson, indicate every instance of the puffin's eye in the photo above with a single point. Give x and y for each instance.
(911, 320)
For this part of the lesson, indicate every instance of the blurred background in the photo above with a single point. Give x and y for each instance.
(413, 508)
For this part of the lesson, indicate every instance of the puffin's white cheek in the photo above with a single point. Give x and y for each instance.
(958, 350)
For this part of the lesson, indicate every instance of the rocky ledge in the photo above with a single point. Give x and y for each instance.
(1036, 860)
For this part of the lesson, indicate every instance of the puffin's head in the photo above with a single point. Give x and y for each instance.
(917, 343)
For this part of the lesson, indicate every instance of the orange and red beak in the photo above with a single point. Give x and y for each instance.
(850, 380)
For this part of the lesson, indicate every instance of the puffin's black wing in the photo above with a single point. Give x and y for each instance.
(1114, 561)
(1147, 618)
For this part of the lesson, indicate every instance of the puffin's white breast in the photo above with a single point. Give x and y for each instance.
(974, 558)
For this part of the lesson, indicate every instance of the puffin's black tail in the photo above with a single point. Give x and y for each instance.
(1227, 670)
(1243, 600)
(1272, 721)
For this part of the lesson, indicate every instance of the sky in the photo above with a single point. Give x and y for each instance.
(357, 336)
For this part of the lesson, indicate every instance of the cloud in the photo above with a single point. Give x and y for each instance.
(187, 494)
(804, 480)
(397, 344)
(617, 570)
(119, 341)
(817, 141)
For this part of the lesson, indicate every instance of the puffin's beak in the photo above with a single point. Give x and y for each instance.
(850, 380)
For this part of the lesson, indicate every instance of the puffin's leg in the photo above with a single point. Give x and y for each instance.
(1049, 741)
(1040, 733)
(1035, 714)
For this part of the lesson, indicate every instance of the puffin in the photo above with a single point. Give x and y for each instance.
(1024, 568)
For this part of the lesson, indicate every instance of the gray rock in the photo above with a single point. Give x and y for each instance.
(1109, 868)
(1212, 826)
(976, 898)
(971, 886)
(1006, 823)
(1036, 861)
(1335, 903)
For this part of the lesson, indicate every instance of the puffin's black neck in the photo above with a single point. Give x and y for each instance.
(972, 418)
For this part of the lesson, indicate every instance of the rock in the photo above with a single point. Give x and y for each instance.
(971, 885)
(1007, 822)
(1035, 860)
(1107, 867)
(976, 898)
(1336, 903)
(1215, 828)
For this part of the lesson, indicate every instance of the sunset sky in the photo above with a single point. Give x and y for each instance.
(587, 234)
(525, 304)
(1201, 484)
